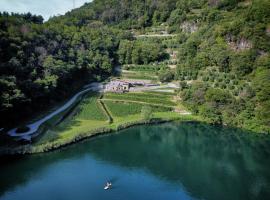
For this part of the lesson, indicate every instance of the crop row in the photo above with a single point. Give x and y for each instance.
(122, 109)
(90, 109)
(142, 97)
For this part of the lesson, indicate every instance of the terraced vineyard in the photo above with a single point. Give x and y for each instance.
(148, 98)
(139, 75)
(123, 109)
(90, 109)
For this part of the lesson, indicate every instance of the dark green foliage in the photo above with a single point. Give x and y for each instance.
(139, 52)
(166, 76)
(44, 63)
(228, 48)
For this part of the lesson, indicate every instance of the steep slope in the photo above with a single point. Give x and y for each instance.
(220, 48)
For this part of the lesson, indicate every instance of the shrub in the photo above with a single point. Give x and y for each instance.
(216, 85)
(223, 85)
(231, 87)
(205, 78)
(235, 82)
(166, 77)
(235, 92)
(220, 79)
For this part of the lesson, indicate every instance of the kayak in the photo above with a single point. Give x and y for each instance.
(106, 187)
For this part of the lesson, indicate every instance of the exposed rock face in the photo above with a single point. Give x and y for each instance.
(238, 45)
(189, 27)
(268, 31)
(213, 2)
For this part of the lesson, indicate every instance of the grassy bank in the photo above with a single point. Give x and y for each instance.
(91, 118)
(85, 130)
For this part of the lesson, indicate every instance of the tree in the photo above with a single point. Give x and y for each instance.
(166, 76)
(210, 113)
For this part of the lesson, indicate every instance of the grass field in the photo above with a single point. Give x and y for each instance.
(160, 94)
(94, 115)
(89, 117)
(152, 98)
(90, 109)
(139, 76)
(122, 109)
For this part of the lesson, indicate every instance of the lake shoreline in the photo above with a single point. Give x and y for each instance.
(51, 146)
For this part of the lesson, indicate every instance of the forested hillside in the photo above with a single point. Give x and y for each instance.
(222, 64)
(45, 63)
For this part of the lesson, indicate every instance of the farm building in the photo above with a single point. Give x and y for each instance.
(118, 86)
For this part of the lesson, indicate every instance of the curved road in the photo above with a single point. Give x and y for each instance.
(33, 128)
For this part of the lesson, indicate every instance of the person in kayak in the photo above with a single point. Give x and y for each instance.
(108, 185)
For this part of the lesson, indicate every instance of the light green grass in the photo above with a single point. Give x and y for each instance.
(156, 99)
(89, 119)
(139, 76)
(122, 109)
(90, 109)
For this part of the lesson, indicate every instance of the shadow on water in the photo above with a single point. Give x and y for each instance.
(209, 162)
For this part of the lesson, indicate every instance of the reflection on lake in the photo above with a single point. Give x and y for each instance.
(167, 161)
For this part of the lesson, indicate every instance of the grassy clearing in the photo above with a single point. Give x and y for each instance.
(122, 109)
(157, 99)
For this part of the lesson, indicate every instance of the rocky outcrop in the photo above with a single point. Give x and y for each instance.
(189, 27)
(239, 44)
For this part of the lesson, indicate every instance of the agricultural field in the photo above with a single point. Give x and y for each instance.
(90, 117)
(214, 78)
(140, 75)
(87, 116)
(122, 109)
(90, 109)
(144, 68)
(145, 97)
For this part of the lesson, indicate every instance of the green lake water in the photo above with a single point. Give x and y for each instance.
(168, 161)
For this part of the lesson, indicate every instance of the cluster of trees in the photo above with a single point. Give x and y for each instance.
(44, 63)
(140, 52)
(237, 44)
(41, 63)
(219, 106)
(125, 14)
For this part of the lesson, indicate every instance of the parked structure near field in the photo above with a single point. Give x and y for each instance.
(118, 86)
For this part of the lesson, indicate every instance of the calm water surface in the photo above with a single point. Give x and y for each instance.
(169, 161)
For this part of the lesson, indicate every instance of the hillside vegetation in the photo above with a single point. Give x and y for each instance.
(217, 50)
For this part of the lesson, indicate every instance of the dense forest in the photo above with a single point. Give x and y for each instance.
(222, 67)
(45, 63)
